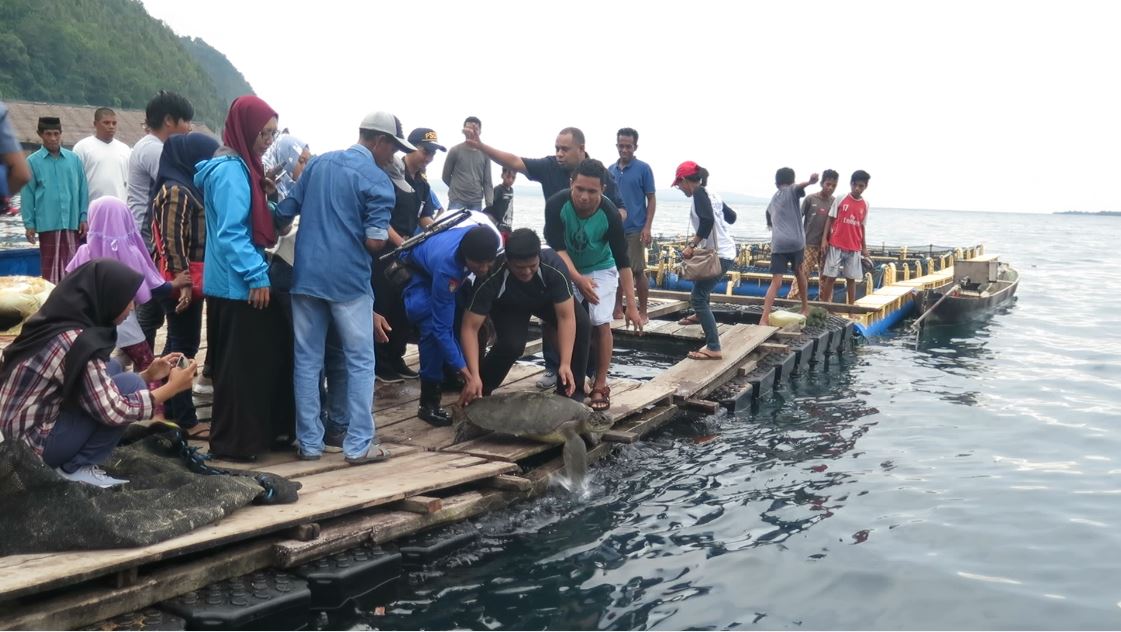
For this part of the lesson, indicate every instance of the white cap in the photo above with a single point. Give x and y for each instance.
(386, 123)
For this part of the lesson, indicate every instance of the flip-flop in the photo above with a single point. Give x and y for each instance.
(689, 320)
(704, 355)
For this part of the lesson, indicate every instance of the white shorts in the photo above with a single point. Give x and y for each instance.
(607, 282)
(842, 263)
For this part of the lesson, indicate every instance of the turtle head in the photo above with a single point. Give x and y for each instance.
(598, 422)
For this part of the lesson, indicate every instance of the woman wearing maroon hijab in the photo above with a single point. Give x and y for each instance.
(247, 334)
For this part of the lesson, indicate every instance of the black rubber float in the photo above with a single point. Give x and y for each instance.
(358, 574)
(267, 600)
(432, 545)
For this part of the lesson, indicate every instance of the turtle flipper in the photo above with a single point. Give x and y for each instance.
(575, 456)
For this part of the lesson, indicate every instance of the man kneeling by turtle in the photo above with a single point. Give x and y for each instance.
(529, 281)
(439, 267)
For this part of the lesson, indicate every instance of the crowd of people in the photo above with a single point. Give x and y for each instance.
(316, 272)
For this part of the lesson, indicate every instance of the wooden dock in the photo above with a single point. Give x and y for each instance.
(431, 480)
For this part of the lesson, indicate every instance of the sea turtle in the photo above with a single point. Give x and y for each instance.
(544, 417)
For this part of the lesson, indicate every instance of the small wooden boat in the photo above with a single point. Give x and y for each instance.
(980, 285)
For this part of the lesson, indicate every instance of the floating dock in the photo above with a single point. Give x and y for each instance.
(431, 480)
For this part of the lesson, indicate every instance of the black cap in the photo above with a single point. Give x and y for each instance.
(426, 137)
(49, 122)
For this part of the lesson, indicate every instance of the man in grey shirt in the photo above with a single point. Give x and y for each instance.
(788, 237)
(467, 173)
(167, 113)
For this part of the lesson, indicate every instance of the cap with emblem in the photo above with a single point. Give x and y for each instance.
(425, 137)
(386, 123)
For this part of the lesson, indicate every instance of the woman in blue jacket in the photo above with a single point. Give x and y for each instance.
(248, 335)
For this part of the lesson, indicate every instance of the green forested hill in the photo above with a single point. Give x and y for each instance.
(108, 52)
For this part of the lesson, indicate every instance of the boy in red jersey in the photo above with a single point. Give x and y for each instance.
(843, 241)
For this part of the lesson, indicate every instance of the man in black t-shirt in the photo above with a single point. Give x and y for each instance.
(529, 282)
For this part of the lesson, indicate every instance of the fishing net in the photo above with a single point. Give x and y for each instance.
(41, 512)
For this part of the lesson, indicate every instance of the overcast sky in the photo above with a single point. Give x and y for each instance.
(949, 105)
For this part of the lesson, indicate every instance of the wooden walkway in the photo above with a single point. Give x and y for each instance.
(430, 480)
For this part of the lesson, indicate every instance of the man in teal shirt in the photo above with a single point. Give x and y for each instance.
(54, 202)
(586, 231)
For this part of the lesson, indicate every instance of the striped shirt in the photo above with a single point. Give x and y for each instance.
(31, 398)
(181, 221)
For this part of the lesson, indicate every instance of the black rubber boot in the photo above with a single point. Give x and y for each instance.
(430, 410)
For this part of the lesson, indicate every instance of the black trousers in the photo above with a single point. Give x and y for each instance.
(150, 317)
(512, 329)
(390, 303)
(184, 334)
(252, 364)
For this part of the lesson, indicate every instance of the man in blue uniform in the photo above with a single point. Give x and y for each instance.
(440, 266)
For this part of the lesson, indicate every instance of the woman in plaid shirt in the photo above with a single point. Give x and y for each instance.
(59, 391)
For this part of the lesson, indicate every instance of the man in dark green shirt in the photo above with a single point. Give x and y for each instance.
(586, 231)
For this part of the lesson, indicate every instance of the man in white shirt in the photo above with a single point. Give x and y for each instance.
(104, 158)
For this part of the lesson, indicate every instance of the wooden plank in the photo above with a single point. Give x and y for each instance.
(509, 482)
(702, 405)
(324, 495)
(87, 605)
(736, 299)
(420, 504)
(688, 377)
(645, 423)
(655, 309)
(381, 526)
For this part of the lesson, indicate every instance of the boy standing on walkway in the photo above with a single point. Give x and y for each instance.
(788, 237)
(815, 212)
(843, 242)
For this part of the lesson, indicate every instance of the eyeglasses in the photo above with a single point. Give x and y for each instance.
(268, 134)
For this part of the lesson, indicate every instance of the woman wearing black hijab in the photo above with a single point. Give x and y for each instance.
(59, 391)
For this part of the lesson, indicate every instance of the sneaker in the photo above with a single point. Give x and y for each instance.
(333, 442)
(91, 475)
(374, 454)
(304, 456)
(404, 371)
(388, 376)
(547, 381)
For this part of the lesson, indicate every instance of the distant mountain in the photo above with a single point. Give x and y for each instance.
(228, 80)
(1108, 213)
(108, 52)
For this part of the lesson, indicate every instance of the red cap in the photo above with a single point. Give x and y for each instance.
(684, 170)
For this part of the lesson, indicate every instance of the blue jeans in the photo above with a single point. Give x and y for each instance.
(333, 390)
(700, 303)
(471, 206)
(354, 322)
(78, 439)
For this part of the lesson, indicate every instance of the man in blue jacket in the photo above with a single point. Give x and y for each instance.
(440, 266)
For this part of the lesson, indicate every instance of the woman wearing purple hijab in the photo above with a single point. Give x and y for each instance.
(113, 235)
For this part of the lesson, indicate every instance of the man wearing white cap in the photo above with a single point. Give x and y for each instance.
(345, 201)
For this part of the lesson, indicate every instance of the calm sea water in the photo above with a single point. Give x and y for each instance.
(972, 482)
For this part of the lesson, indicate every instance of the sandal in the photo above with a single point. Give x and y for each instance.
(376, 453)
(704, 354)
(690, 320)
(601, 399)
